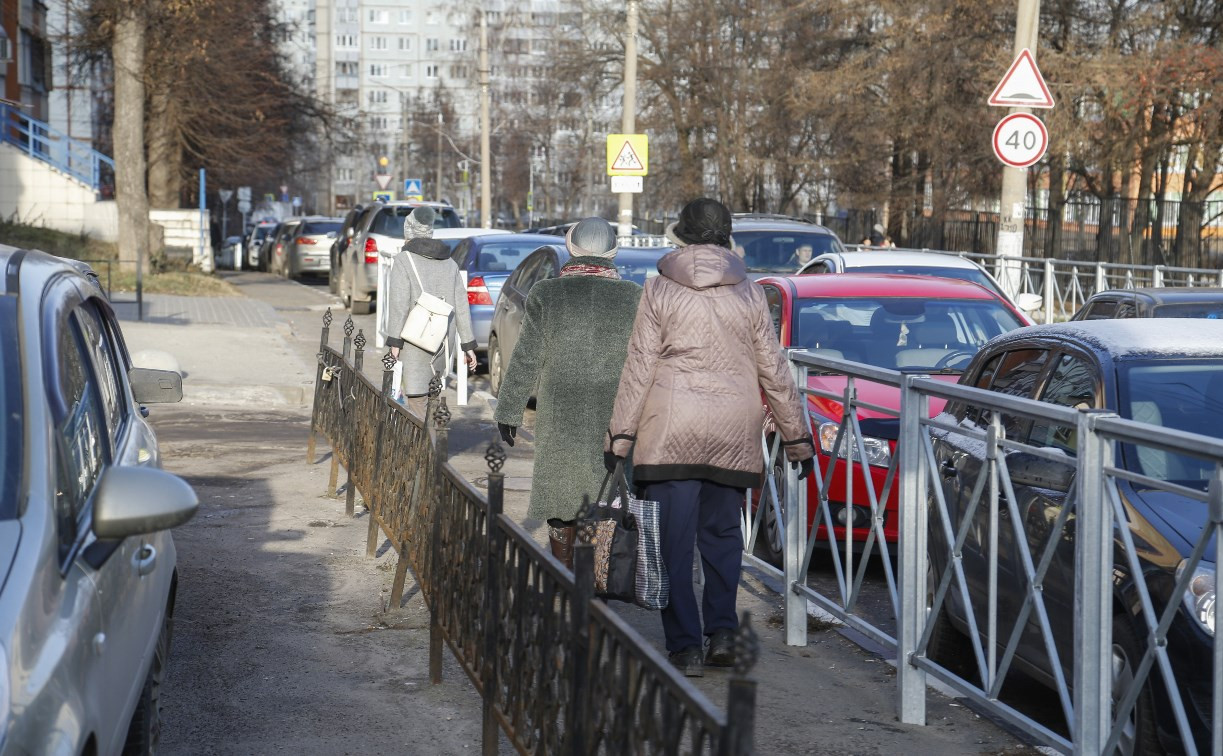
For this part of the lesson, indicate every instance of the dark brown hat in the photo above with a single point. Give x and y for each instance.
(702, 221)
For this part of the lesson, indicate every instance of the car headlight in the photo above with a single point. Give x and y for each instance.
(1200, 597)
(877, 451)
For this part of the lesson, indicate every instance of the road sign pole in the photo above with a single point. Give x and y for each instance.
(628, 122)
(1015, 180)
(486, 197)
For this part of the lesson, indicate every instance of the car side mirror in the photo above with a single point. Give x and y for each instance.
(1030, 470)
(139, 500)
(151, 386)
(1029, 302)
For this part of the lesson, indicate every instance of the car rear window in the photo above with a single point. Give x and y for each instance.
(318, 228)
(496, 257)
(389, 221)
(782, 251)
(10, 409)
(1205, 310)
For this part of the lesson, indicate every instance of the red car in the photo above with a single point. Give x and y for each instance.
(916, 324)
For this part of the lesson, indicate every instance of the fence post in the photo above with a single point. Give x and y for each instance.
(914, 491)
(318, 380)
(441, 450)
(348, 329)
(1157, 276)
(578, 716)
(740, 734)
(350, 489)
(1049, 288)
(1093, 591)
(495, 456)
(1101, 283)
(388, 370)
(794, 548)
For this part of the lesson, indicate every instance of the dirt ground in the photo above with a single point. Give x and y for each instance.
(284, 641)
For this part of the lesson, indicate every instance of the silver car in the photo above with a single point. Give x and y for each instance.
(87, 563)
(309, 248)
(380, 232)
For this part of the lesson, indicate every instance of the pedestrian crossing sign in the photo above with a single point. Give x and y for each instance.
(413, 188)
(628, 155)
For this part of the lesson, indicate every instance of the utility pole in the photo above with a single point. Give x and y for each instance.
(628, 122)
(440, 121)
(486, 196)
(1015, 180)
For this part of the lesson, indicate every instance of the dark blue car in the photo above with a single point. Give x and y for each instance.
(635, 264)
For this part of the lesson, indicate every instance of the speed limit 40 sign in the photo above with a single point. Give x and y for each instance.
(1020, 140)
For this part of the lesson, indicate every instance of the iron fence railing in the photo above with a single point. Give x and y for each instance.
(44, 142)
(1038, 546)
(558, 670)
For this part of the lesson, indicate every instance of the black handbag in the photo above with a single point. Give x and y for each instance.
(612, 528)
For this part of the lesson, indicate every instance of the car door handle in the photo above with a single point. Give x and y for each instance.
(145, 560)
(947, 469)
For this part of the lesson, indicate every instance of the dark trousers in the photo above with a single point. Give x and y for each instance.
(707, 514)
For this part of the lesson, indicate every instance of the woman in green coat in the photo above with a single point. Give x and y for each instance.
(572, 346)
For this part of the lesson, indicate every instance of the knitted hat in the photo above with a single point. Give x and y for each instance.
(702, 221)
(418, 224)
(592, 237)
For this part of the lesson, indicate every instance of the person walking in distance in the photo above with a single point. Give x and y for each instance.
(424, 265)
(572, 345)
(688, 406)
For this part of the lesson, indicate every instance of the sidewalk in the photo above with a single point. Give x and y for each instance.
(283, 638)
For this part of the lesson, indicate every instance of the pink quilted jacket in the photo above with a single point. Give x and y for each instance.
(702, 350)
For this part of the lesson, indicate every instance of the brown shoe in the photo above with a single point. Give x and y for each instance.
(561, 540)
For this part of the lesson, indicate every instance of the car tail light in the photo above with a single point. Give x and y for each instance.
(306, 240)
(371, 250)
(477, 292)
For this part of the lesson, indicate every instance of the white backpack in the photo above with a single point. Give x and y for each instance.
(428, 321)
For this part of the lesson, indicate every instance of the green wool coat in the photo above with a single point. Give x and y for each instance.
(573, 343)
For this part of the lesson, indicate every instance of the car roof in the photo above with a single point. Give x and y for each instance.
(1131, 338)
(755, 222)
(463, 233)
(39, 266)
(414, 203)
(884, 285)
(540, 239)
(1165, 295)
(907, 258)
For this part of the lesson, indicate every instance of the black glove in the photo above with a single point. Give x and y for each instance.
(610, 460)
(508, 432)
(805, 467)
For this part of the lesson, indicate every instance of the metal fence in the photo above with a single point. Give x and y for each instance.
(44, 142)
(1052, 584)
(557, 669)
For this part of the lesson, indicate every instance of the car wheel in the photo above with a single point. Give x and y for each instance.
(495, 365)
(947, 647)
(333, 281)
(772, 532)
(359, 307)
(144, 731)
(1139, 735)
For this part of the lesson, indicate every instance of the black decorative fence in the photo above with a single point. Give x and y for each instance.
(558, 670)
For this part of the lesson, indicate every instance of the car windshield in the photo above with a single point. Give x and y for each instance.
(1205, 310)
(261, 232)
(389, 221)
(497, 257)
(974, 275)
(782, 251)
(637, 267)
(1185, 395)
(10, 409)
(900, 333)
(319, 228)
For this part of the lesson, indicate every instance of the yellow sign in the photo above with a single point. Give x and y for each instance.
(384, 196)
(628, 155)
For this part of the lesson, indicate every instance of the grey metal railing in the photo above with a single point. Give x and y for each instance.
(1088, 528)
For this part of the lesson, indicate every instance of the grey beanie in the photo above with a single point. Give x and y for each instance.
(592, 237)
(419, 224)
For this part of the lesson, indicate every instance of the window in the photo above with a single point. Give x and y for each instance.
(1072, 384)
(99, 338)
(405, 16)
(377, 97)
(377, 69)
(377, 17)
(82, 448)
(458, 45)
(1017, 376)
(346, 40)
(431, 17)
(343, 174)
(431, 45)
(1103, 309)
(378, 123)
(377, 43)
(346, 68)
(458, 72)
(405, 44)
(431, 71)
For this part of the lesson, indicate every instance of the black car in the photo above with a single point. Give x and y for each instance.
(770, 243)
(634, 263)
(1153, 371)
(1158, 302)
(340, 245)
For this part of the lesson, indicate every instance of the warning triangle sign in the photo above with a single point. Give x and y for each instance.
(627, 160)
(1023, 86)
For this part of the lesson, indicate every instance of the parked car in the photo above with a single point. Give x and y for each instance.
(489, 260)
(88, 578)
(256, 243)
(452, 236)
(380, 231)
(769, 243)
(914, 263)
(1153, 303)
(1154, 371)
(339, 246)
(303, 248)
(634, 263)
(231, 253)
(908, 323)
